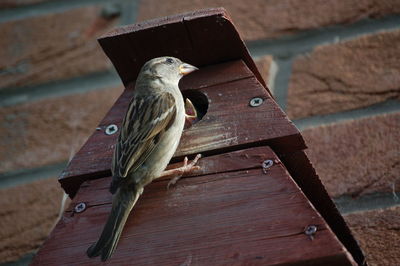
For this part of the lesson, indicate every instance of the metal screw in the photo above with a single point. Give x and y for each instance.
(310, 231)
(111, 129)
(80, 207)
(256, 101)
(266, 165)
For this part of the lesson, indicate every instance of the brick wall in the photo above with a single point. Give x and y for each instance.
(334, 66)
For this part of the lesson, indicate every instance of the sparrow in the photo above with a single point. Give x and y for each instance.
(149, 136)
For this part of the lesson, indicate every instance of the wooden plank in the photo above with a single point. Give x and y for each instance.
(230, 123)
(217, 74)
(305, 176)
(86, 159)
(232, 218)
(86, 164)
(232, 161)
(204, 37)
(245, 159)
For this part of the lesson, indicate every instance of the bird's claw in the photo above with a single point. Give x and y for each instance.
(185, 169)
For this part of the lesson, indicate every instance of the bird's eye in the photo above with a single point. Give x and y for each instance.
(169, 61)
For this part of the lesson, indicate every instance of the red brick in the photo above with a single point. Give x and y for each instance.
(378, 233)
(345, 76)
(357, 157)
(27, 215)
(51, 130)
(260, 19)
(51, 47)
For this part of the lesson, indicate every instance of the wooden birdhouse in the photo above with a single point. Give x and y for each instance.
(256, 199)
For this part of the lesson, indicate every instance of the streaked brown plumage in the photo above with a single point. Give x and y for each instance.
(148, 138)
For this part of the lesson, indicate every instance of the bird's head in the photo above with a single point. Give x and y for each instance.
(166, 68)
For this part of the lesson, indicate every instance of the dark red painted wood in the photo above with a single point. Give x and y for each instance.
(232, 161)
(245, 159)
(305, 176)
(228, 213)
(245, 217)
(217, 74)
(229, 124)
(202, 38)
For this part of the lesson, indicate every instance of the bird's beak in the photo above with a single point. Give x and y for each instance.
(185, 69)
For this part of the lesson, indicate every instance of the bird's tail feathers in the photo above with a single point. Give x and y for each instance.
(123, 202)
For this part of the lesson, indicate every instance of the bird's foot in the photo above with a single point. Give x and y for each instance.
(185, 169)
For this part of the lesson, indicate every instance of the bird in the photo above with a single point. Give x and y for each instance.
(191, 115)
(149, 135)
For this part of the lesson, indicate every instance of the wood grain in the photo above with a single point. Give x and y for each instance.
(305, 176)
(213, 75)
(245, 159)
(229, 218)
(201, 38)
(229, 124)
(228, 213)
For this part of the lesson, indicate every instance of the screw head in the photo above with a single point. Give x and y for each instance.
(310, 230)
(267, 164)
(80, 207)
(111, 129)
(256, 101)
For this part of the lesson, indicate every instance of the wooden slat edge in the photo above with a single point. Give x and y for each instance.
(303, 172)
(245, 52)
(291, 142)
(340, 258)
(120, 32)
(147, 24)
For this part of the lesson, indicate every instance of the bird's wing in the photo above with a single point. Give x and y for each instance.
(146, 120)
